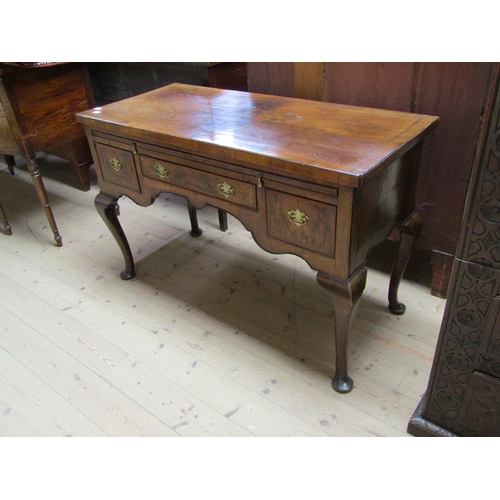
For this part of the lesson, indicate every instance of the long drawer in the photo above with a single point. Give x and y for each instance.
(219, 185)
(123, 162)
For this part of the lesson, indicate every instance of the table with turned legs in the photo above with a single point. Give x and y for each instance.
(38, 102)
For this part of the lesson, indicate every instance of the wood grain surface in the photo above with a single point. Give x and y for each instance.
(322, 140)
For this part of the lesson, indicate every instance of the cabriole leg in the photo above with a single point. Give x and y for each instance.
(408, 232)
(107, 207)
(345, 296)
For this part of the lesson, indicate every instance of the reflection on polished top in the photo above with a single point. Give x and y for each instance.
(329, 142)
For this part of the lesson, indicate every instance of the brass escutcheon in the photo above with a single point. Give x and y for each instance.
(226, 189)
(115, 163)
(298, 217)
(161, 170)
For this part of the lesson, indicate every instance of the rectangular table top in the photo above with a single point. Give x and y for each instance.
(324, 141)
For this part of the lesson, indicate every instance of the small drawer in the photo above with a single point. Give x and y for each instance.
(117, 166)
(306, 223)
(218, 186)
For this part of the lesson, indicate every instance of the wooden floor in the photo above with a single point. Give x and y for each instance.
(214, 337)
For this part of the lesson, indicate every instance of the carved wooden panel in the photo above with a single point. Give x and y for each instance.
(480, 414)
(491, 341)
(464, 392)
(470, 310)
(482, 243)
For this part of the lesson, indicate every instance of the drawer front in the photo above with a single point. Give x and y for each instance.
(306, 223)
(218, 186)
(117, 166)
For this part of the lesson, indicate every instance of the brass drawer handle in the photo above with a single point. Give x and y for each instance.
(298, 217)
(226, 189)
(161, 170)
(115, 163)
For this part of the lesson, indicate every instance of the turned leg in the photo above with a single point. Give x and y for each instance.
(408, 232)
(193, 217)
(11, 163)
(107, 207)
(222, 220)
(4, 220)
(345, 296)
(44, 199)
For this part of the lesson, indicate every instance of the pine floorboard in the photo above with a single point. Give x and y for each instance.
(213, 337)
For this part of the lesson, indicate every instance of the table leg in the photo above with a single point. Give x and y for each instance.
(107, 207)
(193, 218)
(408, 232)
(4, 220)
(11, 163)
(345, 296)
(44, 199)
(222, 220)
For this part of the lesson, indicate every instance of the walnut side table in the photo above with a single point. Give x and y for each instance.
(322, 181)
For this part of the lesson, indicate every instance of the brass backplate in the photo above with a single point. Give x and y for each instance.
(115, 163)
(161, 170)
(226, 189)
(298, 217)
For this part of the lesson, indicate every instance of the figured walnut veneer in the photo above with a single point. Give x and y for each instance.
(322, 181)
